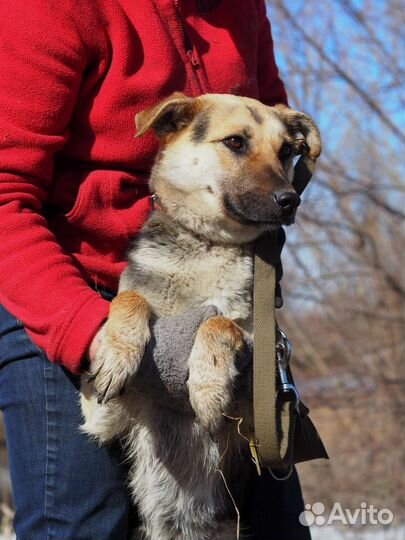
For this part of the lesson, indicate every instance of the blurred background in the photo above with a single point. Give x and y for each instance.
(343, 63)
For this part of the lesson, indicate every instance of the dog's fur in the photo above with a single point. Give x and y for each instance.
(221, 160)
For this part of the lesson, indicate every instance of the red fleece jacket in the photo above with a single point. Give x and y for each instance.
(73, 179)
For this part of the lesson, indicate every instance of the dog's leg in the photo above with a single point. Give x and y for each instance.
(123, 339)
(212, 370)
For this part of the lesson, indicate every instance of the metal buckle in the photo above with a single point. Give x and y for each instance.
(152, 201)
(287, 390)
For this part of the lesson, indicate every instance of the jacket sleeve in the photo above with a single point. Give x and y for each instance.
(271, 87)
(42, 59)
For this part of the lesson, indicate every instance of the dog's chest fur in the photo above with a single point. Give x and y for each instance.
(176, 270)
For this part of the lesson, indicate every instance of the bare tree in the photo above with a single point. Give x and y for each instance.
(343, 282)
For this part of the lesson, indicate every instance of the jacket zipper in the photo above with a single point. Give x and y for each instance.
(189, 48)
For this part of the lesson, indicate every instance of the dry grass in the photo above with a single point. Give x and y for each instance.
(357, 402)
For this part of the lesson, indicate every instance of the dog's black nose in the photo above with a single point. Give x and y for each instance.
(287, 201)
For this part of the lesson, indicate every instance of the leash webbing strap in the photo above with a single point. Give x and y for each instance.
(274, 426)
(264, 359)
(303, 172)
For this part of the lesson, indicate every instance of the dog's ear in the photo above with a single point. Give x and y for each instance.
(168, 116)
(301, 127)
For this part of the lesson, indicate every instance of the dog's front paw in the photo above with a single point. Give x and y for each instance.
(122, 343)
(212, 370)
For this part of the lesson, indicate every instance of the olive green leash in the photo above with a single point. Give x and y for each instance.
(284, 433)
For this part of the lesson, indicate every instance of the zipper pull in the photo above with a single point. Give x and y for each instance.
(193, 59)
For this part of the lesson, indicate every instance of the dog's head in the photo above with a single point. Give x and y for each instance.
(224, 163)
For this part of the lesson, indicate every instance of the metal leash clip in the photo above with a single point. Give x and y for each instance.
(287, 390)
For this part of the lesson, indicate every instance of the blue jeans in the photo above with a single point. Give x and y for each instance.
(64, 485)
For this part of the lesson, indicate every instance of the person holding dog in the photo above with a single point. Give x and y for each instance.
(73, 190)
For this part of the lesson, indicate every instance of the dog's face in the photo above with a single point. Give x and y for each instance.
(224, 163)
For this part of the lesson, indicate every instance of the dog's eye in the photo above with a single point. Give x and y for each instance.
(286, 151)
(235, 143)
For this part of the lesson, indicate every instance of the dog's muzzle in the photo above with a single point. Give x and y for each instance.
(252, 209)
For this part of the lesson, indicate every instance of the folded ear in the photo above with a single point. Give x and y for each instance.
(168, 116)
(300, 126)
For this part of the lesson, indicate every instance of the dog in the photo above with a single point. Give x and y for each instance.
(222, 177)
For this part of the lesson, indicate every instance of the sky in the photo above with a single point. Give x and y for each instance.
(349, 46)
